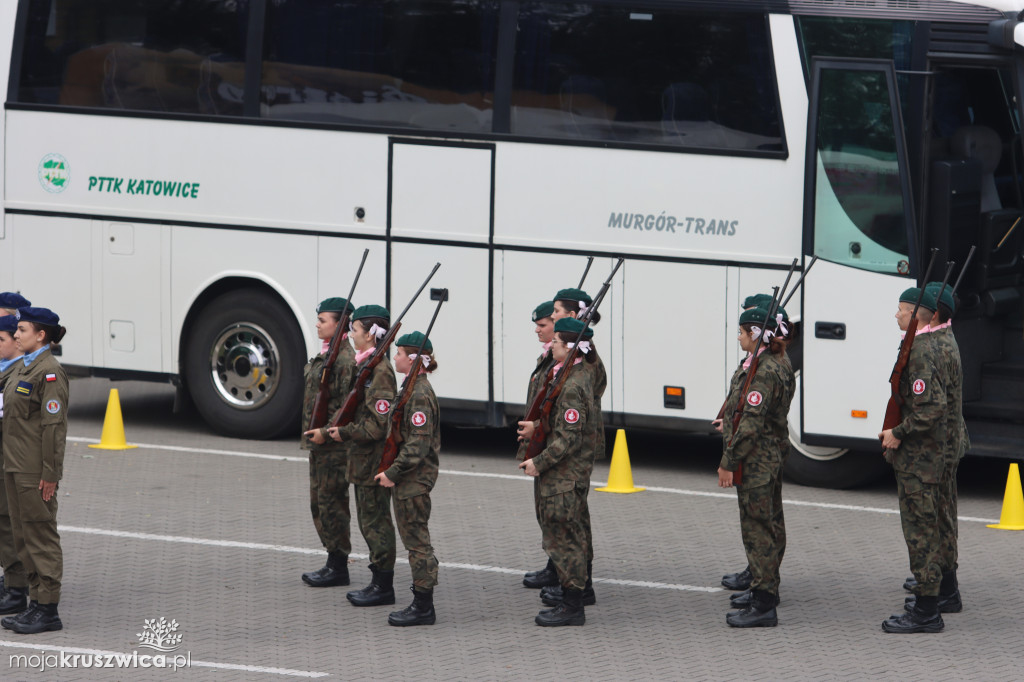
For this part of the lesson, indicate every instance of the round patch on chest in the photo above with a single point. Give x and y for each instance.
(382, 406)
(419, 419)
(919, 387)
(754, 398)
(571, 416)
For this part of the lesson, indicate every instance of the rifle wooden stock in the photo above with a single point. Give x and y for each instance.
(358, 393)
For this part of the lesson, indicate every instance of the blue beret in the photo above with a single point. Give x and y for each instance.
(43, 316)
(9, 324)
(12, 299)
(365, 311)
(414, 340)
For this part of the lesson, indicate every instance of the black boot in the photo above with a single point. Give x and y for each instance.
(9, 621)
(741, 600)
(420, 612)
(568, 612)
(545, 577)
(949, 596)
(335, 572)
(760, 613)
(13, 600)
(379, 592)
(43, 619)
(738, 581)
(924, 617)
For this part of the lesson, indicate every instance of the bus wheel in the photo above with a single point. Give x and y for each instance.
(243, 365)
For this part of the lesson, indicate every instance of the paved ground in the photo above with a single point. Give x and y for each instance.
(214, 533)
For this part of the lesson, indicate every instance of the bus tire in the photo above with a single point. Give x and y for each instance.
(841, 469)
(243, 365)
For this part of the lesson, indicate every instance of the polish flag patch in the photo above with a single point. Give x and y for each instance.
(571, 416)
(754, 398)
(419, 419)
(51, 377)
(919, 387)
(382, 406)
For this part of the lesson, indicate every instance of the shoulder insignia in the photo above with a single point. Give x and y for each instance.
(571, 416)
(754, 398)
(419, 419)
(53, 406)
(919, 387)
(51, 377)
(382, 406)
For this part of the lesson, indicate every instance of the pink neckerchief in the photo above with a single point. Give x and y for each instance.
(920, 331)
(547, 346)
(362, 355)
(945, 325)
(559, 365)
(750, 358)
(327, 343)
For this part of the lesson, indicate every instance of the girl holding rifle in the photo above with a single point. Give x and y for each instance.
(562, 471)
(759, 442)
(366, 434)
(412, 476)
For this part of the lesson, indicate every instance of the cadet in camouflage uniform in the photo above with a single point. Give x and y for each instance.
(14, 584)
(365, 436)
(759, 443)
(574, 303)
(915, 447)
(35, 430)
(560, 469)
(544, 327)
(412, 477)
(958, 442)
(328, 459)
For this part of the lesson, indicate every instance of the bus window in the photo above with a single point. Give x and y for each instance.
(427, 64)
(645, 76)
(859, 212)
(125, 54)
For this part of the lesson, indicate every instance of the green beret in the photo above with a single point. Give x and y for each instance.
(756, 316)
(911, 295)
(947, 294)
(335, 304)
(573, 326)
(413, 340)
(545, 309)
(365, 311)
(757, 301)
(573, 295)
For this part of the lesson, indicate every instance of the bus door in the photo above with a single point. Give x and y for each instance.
(441, 198)
(858, 219)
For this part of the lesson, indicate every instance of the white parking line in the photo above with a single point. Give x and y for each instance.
(113, 657)
(521, 477)
(306, 550)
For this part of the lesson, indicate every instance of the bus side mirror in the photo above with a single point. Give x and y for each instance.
(1003, 33)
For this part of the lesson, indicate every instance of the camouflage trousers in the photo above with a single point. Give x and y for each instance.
(564, 536)
(919, 515)
(373, 509)
(584, 517)
(14, 570)
(763, 529)
(328, 499)
(948, 526)
(36, 539)
(411, 517)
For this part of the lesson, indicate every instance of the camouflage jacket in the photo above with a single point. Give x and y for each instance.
(414, 470)
(922, 429)
(540, 372)
(564, 463)
(594, 437)
(339, 384)
(761, 439)
(36, 418)
(367, 431)
(956, 429)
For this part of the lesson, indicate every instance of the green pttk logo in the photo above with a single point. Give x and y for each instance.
(54, 173)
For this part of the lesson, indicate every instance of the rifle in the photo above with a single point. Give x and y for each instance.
(799, 281)
(319, 415)
(970, 255)
(949, 269)
(894, 408)
(545, 400)
(398, 409)
(355, 397)
(590, 261)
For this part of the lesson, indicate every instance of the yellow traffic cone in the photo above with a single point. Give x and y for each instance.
(112, 437)
(620, 476)
(1012, 517)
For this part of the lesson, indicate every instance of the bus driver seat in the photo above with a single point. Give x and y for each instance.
(983, 145)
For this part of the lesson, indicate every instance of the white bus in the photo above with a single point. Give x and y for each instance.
(184, 181)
